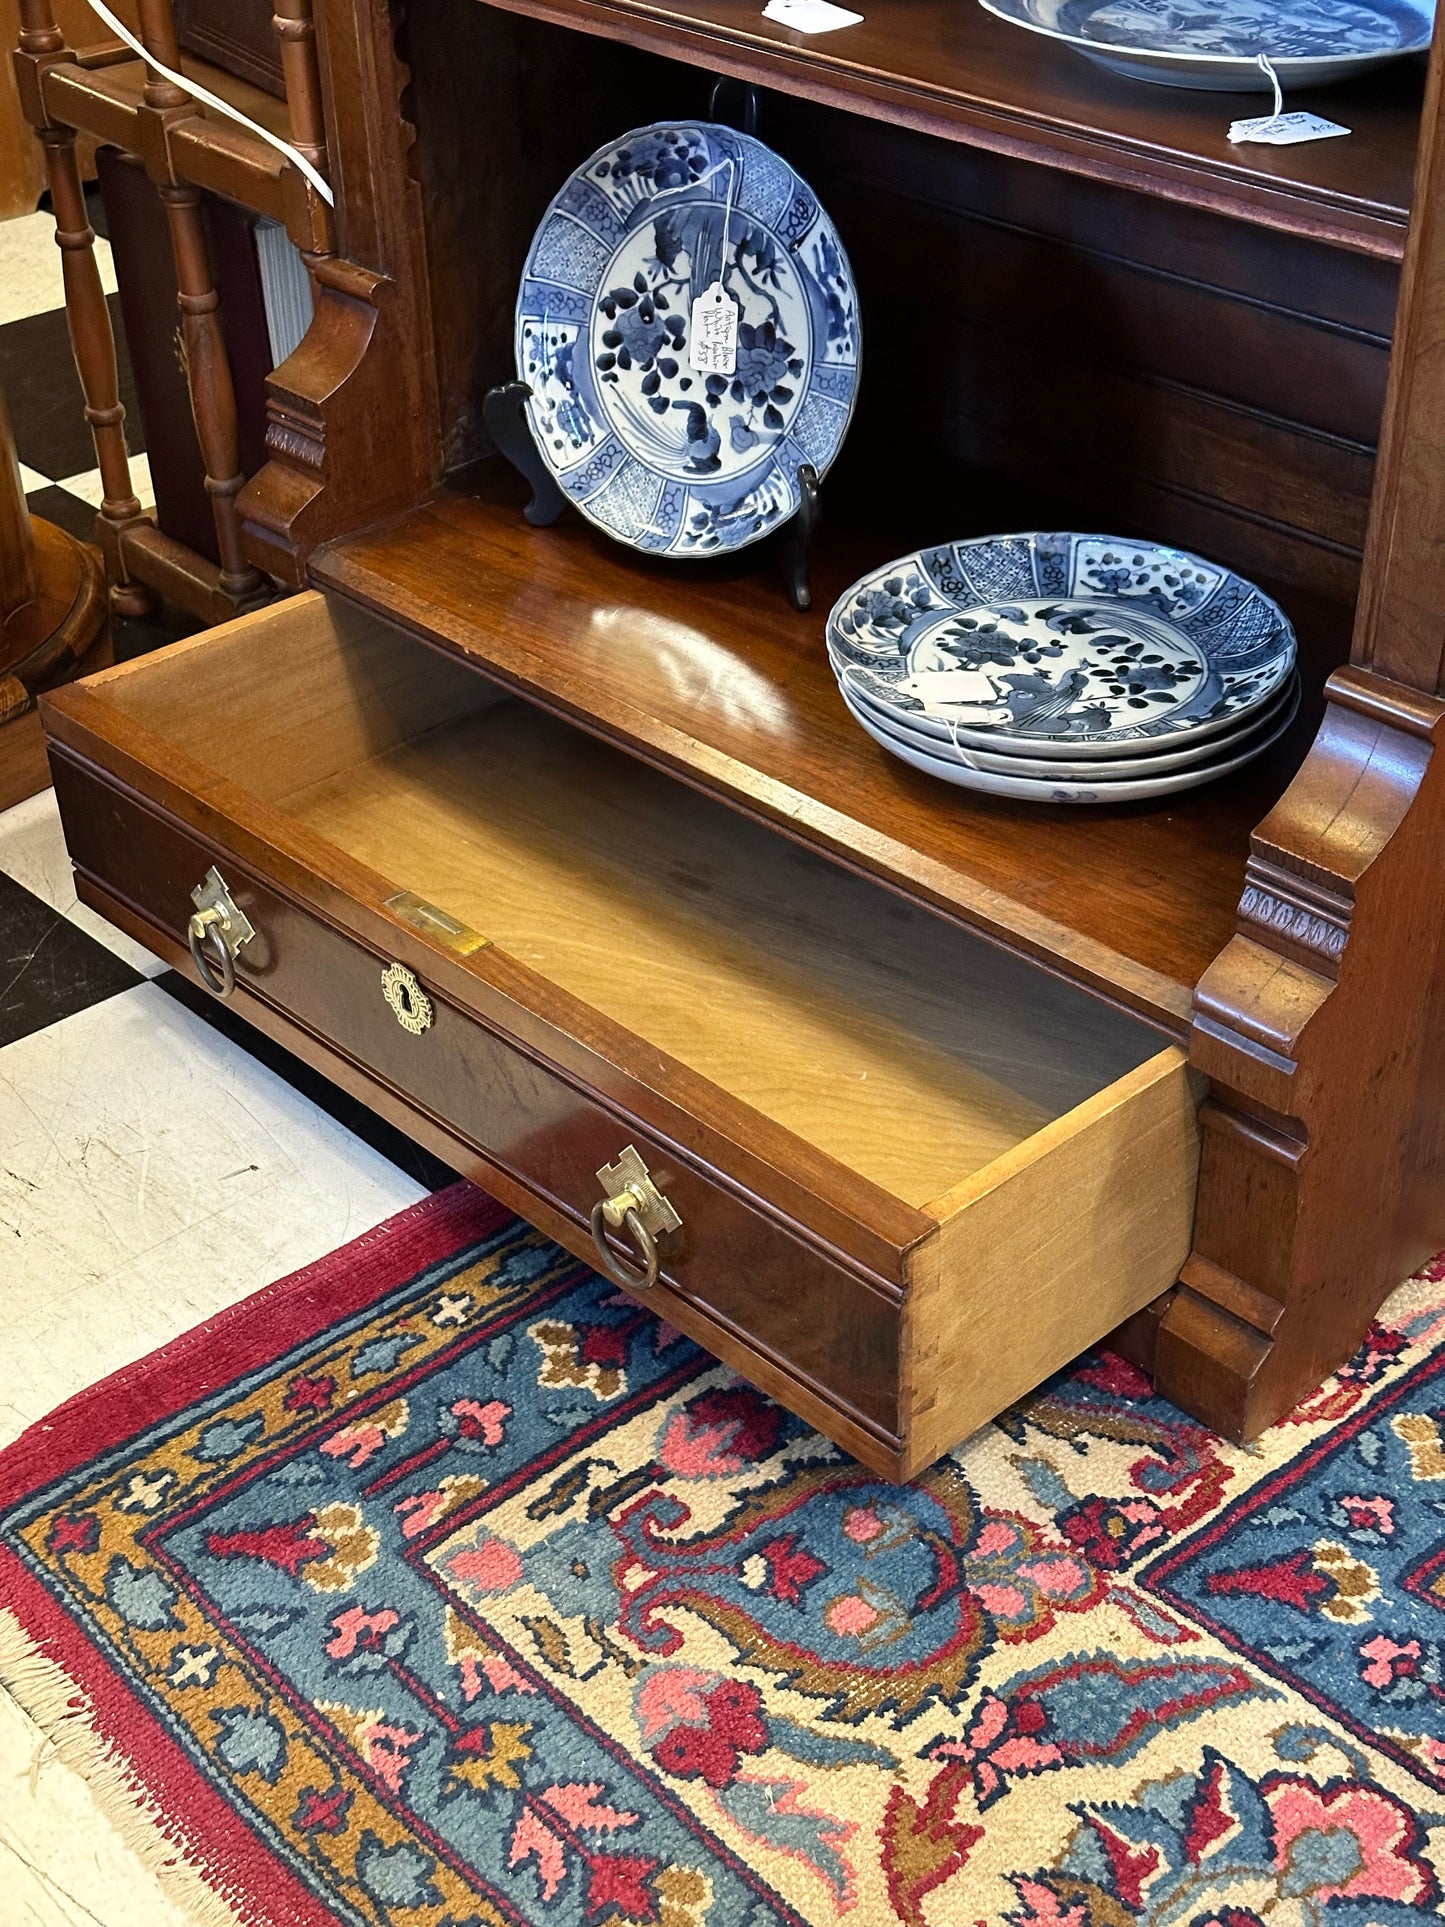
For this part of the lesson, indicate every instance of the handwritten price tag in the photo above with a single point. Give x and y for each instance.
(713, 336)
(1284, 130)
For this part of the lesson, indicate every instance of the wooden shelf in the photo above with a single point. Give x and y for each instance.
(949, 68)
(101, 96)
(705, 671)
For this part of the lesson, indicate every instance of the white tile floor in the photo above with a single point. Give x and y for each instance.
(30, 270)
(90, 488)
(150, 1173)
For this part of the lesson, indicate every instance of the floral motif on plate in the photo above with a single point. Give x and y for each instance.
(1051, 638)
(663, 456)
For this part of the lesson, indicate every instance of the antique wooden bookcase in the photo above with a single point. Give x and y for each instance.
(1082, 307)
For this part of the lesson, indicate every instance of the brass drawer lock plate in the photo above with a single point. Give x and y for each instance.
(633, 1203)
(410, 1004)
(216, 931)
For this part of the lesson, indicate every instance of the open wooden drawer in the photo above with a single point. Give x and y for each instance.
(912, 1175)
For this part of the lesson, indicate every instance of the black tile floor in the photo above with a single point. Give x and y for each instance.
(49, 969)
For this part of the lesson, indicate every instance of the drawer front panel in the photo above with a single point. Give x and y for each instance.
(820, 1321)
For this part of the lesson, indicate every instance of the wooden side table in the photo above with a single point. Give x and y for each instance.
(53, 623)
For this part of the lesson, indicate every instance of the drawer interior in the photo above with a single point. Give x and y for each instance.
(896, 1042)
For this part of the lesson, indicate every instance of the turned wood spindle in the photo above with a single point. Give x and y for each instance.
(158, 37)
(88, 317)
(208, 373)
(296, 31)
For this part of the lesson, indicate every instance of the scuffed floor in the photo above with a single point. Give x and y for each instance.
(152, 1170)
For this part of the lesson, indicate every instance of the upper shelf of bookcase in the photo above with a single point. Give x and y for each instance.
(950, 69)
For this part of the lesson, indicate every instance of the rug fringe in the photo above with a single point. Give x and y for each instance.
(65, 1716)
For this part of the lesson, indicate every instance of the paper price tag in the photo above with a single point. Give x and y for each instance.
(810, 16)
(1284, 130)
(713, 336)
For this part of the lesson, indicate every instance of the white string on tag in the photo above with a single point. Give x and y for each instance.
(1268, 66)
(197, 92)
(1277, 128)
(712, 335)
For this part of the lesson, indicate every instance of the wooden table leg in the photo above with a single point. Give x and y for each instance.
(52, 618)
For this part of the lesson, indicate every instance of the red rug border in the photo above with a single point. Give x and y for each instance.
(215, 1844)
(226, 1346)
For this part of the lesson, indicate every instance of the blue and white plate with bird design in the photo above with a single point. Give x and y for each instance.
(1061, 645)
(661, 455)
(1217, 44)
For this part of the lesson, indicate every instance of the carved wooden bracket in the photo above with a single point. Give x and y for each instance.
(1314, 1201)
(352, 415)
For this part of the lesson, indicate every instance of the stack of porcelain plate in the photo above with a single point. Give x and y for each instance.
(1065, 668)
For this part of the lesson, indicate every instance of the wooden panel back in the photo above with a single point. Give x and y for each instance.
(1124, 363)
(1135, 365)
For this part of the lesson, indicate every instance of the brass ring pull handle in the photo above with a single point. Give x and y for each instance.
(632, 1203)
(204, 924)
(613, 1264)
(217, 929)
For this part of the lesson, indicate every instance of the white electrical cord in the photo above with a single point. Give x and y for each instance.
(197, 92)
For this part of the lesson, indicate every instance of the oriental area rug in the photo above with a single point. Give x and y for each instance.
(443, 1585)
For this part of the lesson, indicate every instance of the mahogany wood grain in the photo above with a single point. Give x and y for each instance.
(1319, 1189)
(1323, 1176)
(1148, 369)
(735, 1348)
(960, 74)
(1399, 632)
(706, 671)
(354, 430)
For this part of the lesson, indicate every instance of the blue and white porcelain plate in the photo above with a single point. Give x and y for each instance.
(1075, 784)
(1064, 645)
(663, 457)
(1217, 43)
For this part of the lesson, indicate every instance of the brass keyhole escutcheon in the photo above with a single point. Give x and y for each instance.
(410, 1004)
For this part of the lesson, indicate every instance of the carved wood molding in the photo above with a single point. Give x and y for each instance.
(1307, 1163)
(352, 429)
